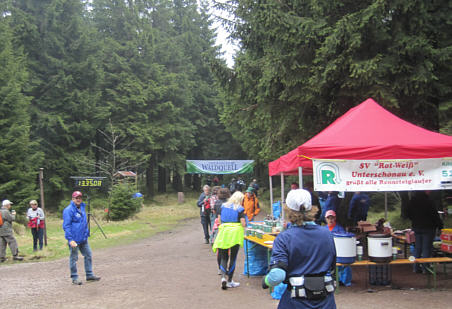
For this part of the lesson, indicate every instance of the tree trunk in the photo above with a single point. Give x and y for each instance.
(196, 183)
(177, 182)
(188, 181)
(150, 179)
(161, 179)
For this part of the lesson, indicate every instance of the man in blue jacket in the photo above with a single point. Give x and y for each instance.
(75, 225)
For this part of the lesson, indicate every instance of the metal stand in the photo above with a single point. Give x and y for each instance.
(94, 218)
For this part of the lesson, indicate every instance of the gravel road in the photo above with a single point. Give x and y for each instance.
(177, 270)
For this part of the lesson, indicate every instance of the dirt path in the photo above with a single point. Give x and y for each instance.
(174, 270)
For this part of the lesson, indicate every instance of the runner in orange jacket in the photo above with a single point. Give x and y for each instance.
(251, 204)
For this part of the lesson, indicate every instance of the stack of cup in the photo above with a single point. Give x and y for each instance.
(359, 252)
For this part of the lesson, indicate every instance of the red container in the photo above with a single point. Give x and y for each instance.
(446, 247)
(446, 234)
(446, 237)
(409, 237)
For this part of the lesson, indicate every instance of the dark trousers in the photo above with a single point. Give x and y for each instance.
(231, 256)
(205, 222)
(424, 243)
(38, 235)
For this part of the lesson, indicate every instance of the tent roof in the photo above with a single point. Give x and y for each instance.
(366, 132)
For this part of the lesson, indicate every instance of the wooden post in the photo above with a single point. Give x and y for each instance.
(41, 186)
(180, 197)
(136, 181)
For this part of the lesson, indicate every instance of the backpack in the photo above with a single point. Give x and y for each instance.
(1, 219)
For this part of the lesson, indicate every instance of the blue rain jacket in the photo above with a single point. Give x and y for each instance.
(75, 223)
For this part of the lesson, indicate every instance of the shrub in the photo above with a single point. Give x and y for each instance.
(122, 204)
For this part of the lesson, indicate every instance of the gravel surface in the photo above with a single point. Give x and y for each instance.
(177, 270)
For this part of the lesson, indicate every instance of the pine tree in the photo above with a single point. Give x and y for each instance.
(19, 158)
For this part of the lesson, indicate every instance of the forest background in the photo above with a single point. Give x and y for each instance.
(92, 87)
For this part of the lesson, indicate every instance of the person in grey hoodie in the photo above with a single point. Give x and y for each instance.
(6, 233)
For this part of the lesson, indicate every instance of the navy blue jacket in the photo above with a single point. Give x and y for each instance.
(75, 223)
(305, 250)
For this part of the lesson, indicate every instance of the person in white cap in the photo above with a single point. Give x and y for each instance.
(6, 233)
(305, 255)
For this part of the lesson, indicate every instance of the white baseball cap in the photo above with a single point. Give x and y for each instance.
(299, 198)
(6, 202)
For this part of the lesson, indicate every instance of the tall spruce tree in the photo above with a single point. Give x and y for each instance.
(19, 157)
(304, 63)
(66, 110)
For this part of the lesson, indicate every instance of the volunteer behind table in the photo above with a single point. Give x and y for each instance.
(304, 256)
(344, 272)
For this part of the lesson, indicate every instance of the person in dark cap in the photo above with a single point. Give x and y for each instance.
(304, 255)
(76, 231)
(251, 204)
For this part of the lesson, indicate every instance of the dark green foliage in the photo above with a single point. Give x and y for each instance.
(74, 66)
(19, 157)
(122, 204)
(304, 63)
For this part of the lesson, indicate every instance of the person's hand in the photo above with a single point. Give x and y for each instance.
(73, 244)
(13, 212)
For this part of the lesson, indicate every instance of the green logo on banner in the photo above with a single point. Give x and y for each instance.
(328, 174)
(328, 177)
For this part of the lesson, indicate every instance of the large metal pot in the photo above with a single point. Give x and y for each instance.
(379, 247)
(345, 247)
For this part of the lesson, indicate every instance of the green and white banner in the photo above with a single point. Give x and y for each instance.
(219, 167)
(382, 175)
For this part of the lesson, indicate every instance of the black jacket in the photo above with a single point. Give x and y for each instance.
(422, 212)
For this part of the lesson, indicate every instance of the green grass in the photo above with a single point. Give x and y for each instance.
(158, 215)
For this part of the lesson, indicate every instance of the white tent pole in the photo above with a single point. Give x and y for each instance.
(300, 176)
(282, 196)
(386, 206)
(271, 190)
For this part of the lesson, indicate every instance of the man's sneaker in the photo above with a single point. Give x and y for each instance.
(206, 241)
(220, 272)
(232, 284)
(224, 283)
(77, 282)
(18, 258)
(92, 278)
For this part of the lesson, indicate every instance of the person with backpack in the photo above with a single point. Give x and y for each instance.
(251, 204)
(204, 211)
(233, 185)
(6, 232)
(255, 186)
(230, 238)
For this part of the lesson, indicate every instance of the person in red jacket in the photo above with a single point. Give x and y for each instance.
(35, 217)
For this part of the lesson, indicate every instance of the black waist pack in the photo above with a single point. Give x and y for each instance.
(315, 288)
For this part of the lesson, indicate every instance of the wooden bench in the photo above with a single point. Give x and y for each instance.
(432, 269)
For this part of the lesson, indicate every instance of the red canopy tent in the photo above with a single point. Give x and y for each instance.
(365, 132)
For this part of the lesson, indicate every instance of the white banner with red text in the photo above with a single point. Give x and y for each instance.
(382, 175)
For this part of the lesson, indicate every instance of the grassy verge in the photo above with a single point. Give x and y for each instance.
(158, 215)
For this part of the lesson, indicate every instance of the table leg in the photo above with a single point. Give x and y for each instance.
(434, 276)
(268, 264)
(247, 261)
(337, 279)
